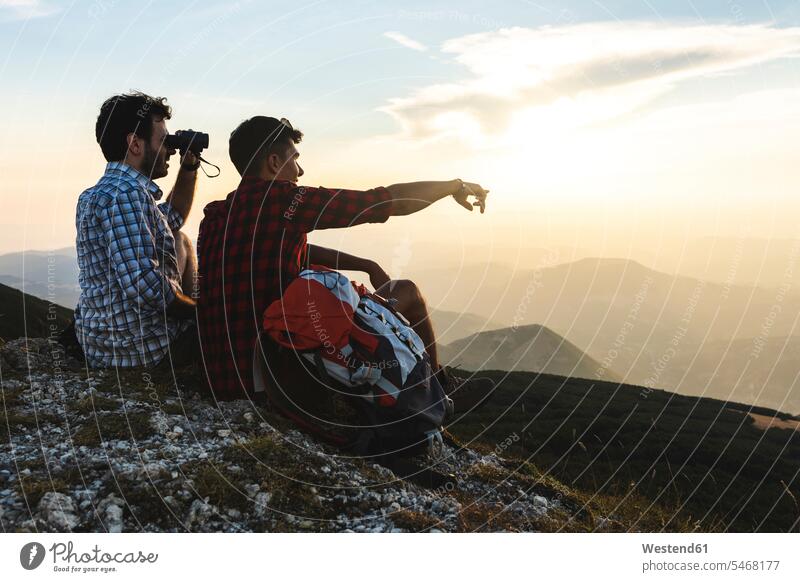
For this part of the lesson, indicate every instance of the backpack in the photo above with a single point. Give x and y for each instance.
(345, 365)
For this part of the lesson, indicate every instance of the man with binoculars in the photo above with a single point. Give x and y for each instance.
(137, 268)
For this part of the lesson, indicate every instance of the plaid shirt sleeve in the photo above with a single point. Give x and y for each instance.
(131, 248)
(307, 209)
(174, 218)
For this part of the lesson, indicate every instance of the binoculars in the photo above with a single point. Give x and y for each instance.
(187, 140)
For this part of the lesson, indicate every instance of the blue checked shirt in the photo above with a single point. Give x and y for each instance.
(128, 270)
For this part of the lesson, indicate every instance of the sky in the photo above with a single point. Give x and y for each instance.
(628, 128)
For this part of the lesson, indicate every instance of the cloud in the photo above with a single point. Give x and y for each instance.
(579, 74)
(25, 9)
(405, 41)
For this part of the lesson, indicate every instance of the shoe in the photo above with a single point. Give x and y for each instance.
(467, 394)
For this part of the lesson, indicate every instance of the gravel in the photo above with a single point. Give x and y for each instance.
(166, 474)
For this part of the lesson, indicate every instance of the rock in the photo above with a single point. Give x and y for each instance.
(234, 513)
(171, 501)
(159, 423)
(261, 503)
(57, 510)
(224, 433)
(110, 512)
(199, 512)
(26, 354)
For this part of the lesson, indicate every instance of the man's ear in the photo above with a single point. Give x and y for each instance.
(135, 145)
(273, 163)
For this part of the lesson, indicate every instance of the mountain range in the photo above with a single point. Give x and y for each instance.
(650, 328)
(529, 348)
(50, 275)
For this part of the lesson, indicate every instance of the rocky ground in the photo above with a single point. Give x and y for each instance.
(103, 451)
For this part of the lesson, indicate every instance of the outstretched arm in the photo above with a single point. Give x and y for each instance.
(414, 196)
(308, 209)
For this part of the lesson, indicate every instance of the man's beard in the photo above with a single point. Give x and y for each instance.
(151, 164)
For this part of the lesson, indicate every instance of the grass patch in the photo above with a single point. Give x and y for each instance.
(11, 397)
(266, 455)
(15, 423)
(175, 408)
(489, 473)
(275, 465)
(114, 426)
(145, 504)
(484, 517)
(413, 521)
(221, 490)
(96, 403)
(34, 488)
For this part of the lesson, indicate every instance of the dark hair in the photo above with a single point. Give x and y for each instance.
(258, 137)
(124, 114)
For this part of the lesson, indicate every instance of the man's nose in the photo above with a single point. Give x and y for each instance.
(300, 168)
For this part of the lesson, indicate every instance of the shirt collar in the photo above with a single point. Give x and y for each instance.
(252, 182)
(126, 170)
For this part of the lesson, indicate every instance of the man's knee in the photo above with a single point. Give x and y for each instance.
(183, 244)
(187, 263)
(408, 295)
(184, 252)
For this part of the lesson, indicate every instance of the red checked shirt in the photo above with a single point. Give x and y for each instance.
(250, 247)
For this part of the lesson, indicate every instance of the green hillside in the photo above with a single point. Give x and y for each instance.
(703, 459)
(25, 315)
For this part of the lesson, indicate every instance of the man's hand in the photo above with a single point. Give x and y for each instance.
(182, 307)
(190, 161)
(467, 189)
